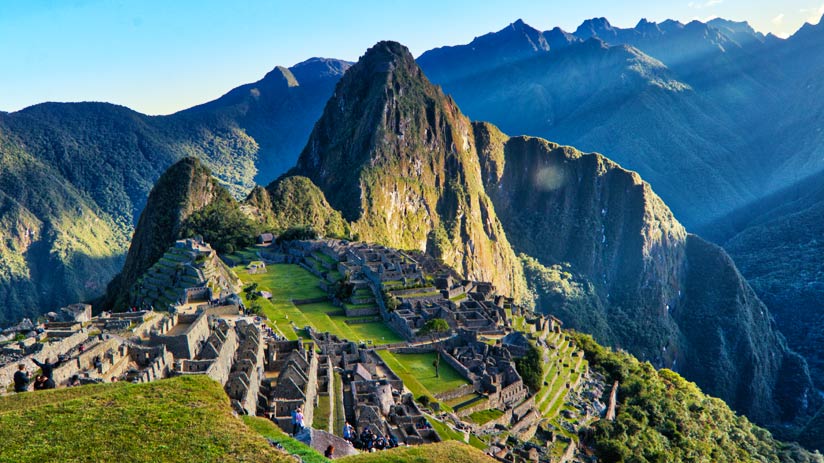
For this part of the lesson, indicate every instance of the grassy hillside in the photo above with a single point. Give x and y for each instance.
(181, 419)
(663, 417)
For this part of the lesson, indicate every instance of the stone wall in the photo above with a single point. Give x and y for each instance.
(361, 311)
(186, 344)
(50, 351)
(86, 361)
(219, 368)
(455, 393)
(458, 366)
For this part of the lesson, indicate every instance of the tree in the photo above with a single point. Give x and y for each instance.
(297, 233)
(436, 325)
(530, 368)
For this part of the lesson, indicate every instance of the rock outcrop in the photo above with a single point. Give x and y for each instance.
(666, 296)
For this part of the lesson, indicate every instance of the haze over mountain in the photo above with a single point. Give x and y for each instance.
(778, 242)
(692, 107)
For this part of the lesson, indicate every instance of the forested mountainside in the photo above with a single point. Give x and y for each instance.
(87, 169)
(643, 283)
(778, 243)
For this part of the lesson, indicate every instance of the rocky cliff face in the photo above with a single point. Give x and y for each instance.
(665, 296)
(398, 159)
(185, 188)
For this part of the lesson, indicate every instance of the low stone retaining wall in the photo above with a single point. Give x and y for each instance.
(461, 391)
(313, 300)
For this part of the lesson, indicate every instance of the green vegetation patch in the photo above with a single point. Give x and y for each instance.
(288, 282)
(485, 416)
(173, 420)
(663, 417)
(451, 451)
(418, 373)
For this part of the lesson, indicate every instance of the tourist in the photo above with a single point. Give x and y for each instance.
(49, 383)
(46, 367)
(329, 452)
(348, 430)
(21, 379)
(294, 422)
(40, 383)
(299, 421)
(114, 379)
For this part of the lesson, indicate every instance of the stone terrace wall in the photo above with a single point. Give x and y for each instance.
(50, 351)
(218, 369)
(186, 344)
(455, 393)
(85, 361)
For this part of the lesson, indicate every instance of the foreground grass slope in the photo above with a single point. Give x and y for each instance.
(175, 420)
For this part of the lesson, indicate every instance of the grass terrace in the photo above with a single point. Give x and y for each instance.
(452, 452)
(485, 416)
(269, 430)
(418, 373)
(288, 282)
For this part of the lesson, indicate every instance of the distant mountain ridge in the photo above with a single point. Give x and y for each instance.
(736, 81)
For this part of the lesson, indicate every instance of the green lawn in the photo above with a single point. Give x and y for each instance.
(485, 416)
(320, 419)
(418, 373)
(287, 282)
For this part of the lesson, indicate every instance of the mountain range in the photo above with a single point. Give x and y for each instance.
(88, 169)
(393, 159)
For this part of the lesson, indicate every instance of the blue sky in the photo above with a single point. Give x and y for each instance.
(162, 56)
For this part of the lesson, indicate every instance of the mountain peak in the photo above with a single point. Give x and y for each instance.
(315, 69)
(385, 56)
(593, 27)
(280, 74)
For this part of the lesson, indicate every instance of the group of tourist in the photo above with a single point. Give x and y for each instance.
(368, 440)
(45, 380)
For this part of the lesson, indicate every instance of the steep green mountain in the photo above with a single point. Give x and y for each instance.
(186, 201)
(617, 264)
(57, 245)
(396, 157)
(88, 169)
(296, 202)
(778, 244)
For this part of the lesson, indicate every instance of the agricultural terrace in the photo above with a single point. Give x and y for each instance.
(289, 282)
